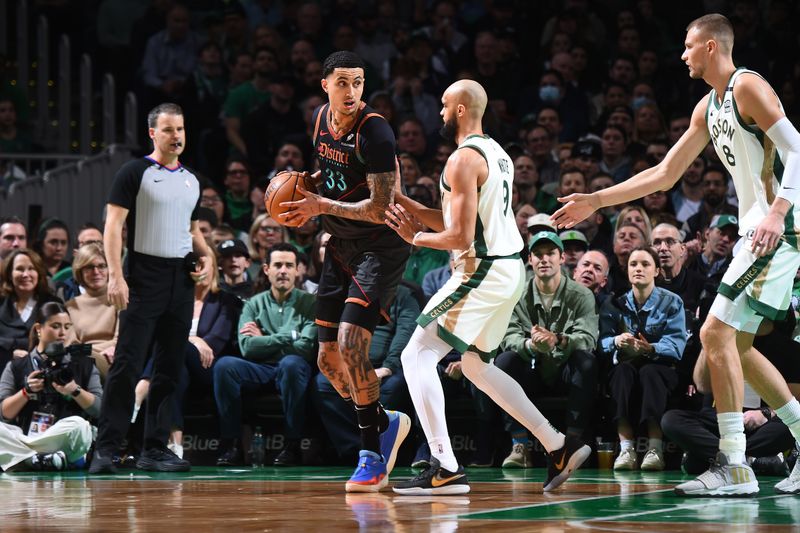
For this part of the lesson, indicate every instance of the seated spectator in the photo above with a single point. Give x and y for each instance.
(13, 236)
(248, 96)
(388, 341)
(237, 194)
(549, 343)
(592, 273)
(23, 290)
(636, 215)
(626, 238)
(213, 321)
(409, 169)
(94, 320)
(575, 245)
(540, 143)
(265, 232)
(717, 247)
(715, 191)
(278, 339)
(615, 159)
(52, 243)
(643, 333)
(697, 432)
(586, 154)
(222, 233)
(44, 422)
(687, 197)
(571, 180)
(234, 260)
(67, 287)
(435, 279)
(206, 222)
(170, 56)
(666, 241)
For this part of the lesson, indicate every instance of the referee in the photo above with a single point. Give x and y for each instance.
(158, 198)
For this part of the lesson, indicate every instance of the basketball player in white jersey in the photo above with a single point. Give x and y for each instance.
(471, 312)
(744, 119)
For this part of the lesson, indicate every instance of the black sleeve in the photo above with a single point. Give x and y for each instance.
(378, 145)
(126, 184)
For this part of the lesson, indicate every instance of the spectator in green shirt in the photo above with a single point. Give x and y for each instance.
(550, 342)
(278, 339)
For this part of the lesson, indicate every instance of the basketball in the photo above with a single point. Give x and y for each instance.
(283, 188)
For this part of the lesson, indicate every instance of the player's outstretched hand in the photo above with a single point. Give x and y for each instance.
(404, 223)
(576, 209)
(302, 210)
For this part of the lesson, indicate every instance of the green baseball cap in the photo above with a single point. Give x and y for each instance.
(574, 235)
(720, 221)
(545, 236)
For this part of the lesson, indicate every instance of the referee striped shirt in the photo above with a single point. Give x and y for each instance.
(161, 204)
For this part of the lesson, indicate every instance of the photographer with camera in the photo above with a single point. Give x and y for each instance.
(47, 397)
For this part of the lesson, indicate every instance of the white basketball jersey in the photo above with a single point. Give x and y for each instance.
(496, 232)
(751, 158)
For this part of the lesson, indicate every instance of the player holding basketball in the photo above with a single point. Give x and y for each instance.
(471, 312)
(364, 260)
(758, 145)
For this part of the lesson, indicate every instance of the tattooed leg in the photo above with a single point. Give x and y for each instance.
(354, 342)
(332, 367)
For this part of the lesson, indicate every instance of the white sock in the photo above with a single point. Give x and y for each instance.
(419, 358)
(790, 415)
(655, 444)
(732, 441)
(625, 444)
(508, 394)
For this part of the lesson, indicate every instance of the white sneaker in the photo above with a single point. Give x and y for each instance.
(790, 485)
(520, 457)
(722, 479)
(653, 460)
(176, 448)
(626, 460)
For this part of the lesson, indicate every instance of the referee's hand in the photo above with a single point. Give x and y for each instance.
(118, 292)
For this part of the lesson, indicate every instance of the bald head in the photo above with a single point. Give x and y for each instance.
(470, 94)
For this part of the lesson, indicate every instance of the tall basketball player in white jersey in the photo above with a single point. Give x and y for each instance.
(744, 119)
(471, 312)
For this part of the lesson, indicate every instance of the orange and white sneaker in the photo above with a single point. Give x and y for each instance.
(435, 481)
(370, 474)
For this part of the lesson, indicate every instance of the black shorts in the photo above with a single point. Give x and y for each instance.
(358, 281)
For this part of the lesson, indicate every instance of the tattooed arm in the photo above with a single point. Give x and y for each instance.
(381, 195)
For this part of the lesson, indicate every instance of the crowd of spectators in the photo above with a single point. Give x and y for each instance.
(582, 95)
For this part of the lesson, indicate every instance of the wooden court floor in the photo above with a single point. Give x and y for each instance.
(313, 499)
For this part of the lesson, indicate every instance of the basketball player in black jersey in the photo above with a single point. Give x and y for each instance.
(364, 260)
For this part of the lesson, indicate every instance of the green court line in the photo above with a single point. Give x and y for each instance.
(655, 506)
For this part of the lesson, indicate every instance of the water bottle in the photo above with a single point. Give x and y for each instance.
(257, 449)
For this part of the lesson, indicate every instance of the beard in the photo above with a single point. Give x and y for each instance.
(449, 130)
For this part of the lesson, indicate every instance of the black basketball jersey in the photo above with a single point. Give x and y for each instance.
(346, 159)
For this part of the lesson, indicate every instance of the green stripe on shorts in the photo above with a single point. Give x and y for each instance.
(457, 295)
(461, 346)
(765, 310)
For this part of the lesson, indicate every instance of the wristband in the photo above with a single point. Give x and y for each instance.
(76, 392)
(414, 240)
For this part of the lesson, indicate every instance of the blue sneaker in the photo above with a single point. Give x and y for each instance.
(370, 474)
(393, 437)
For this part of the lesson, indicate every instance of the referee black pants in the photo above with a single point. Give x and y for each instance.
(159, 314)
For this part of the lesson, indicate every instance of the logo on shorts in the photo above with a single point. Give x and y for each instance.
(749, 234)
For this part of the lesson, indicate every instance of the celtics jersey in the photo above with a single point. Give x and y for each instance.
(496, 233)
(752, 159)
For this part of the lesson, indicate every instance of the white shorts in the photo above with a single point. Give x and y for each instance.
(474, 306)
(754, 288)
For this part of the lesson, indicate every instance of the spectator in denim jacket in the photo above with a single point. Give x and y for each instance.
(644, 332)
